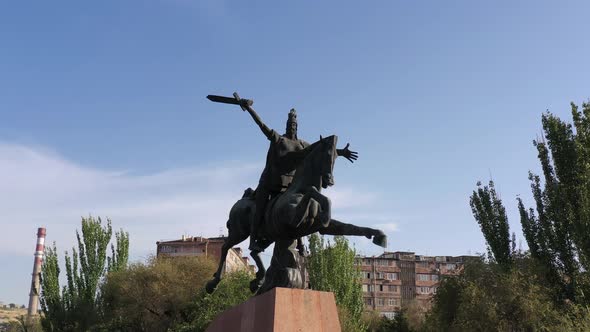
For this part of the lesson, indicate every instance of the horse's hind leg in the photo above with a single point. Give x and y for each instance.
(231, 240)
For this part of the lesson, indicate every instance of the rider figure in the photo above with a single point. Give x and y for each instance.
(278, 171)
(280, 166)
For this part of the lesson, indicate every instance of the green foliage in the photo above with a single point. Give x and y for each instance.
(486, 297)
(558, 233)
(74, 307)
(491, 216)
(231, 291)
(545, 291)
(374, 322)
(332, 268)
(119, 253)
(155, 295)
(51, 300)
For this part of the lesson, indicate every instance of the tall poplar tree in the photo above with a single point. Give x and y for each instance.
(490, 214)
(332, 268)
(558, 229)
(75, 306)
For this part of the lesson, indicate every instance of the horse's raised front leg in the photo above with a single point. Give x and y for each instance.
(302, 209)
(340, 228)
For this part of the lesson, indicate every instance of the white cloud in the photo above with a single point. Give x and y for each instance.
(348, 198)
(41, 188)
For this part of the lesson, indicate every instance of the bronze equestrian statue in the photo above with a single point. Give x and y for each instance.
(287, 203)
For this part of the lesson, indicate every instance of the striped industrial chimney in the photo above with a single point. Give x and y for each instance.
(35, 283)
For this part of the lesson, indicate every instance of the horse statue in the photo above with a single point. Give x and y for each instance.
(299, 211)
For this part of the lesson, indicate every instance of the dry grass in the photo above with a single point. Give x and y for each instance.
(7, 315)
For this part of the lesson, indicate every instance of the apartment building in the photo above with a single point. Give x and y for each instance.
(208, 247)
(394, 279)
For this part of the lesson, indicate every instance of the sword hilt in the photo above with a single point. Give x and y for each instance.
(240, 101)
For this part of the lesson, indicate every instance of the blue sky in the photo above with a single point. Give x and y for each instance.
(103, 112)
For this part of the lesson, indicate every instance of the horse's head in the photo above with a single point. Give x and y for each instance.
(326, 159)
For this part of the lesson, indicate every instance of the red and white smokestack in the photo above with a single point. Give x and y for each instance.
(35, 283)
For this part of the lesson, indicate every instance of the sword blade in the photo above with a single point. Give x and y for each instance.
(224, 100)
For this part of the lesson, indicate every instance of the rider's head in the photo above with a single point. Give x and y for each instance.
(291, 130)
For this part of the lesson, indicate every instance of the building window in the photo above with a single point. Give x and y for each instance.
(392, 276)
(365, 288)
(366, 261)
(380, 287)
(383, 262)
(423, 277)
(451, 266)
(380, 275)
(393, 288)
(366, 275)
(434, 277)
(422, 264)
(424, 290)
(392, 302)
(369, 301)
(379, 302)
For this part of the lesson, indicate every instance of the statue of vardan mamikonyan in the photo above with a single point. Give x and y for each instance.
(287, 204)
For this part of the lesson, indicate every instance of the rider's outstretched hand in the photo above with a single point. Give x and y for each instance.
(346, 153)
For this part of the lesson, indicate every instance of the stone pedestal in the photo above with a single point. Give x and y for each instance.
(281, 310)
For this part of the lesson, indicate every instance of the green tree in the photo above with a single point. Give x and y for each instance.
(490, 214)
(332, 268)
(374, 322)
(155, 295)
(545, 289)
(231, 291)
(486, 297)
(75, 306)
(558, 232)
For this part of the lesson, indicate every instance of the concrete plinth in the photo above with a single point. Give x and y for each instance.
(281, 310)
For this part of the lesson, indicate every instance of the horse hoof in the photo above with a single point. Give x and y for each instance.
(380, 240)
(211, 285)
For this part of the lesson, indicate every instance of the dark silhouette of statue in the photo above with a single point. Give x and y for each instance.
(287, 204)
(280, 166)
(278, 170)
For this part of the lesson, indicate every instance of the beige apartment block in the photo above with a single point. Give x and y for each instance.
(395, 279)
(207, 247)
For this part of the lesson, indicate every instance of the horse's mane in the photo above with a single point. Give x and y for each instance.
(302, 155)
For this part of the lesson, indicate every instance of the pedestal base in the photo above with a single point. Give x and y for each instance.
(281, 310)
